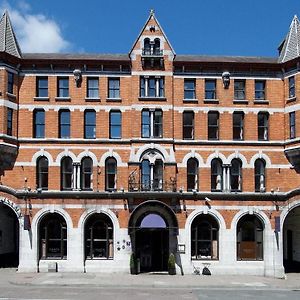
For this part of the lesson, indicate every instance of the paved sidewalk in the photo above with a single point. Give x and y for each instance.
(116, 280)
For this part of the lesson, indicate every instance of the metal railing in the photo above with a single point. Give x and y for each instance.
(152, 52)
(152, 185)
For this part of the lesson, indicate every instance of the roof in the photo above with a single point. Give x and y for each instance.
(152, 16)
(290, 47)
(226, 59)
(8, 41)
(76, 56)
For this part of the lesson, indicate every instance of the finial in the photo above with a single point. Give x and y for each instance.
(151, 12)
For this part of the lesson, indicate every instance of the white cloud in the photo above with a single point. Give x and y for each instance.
(35, 32)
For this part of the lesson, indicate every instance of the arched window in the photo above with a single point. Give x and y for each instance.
(250, 238)
(147, 46)
(156, 47)
(66, 173)
(42, 173)
(86, 173)
(204, 238)
(236, 175)
(158, 175)
(192, 174)
(110, 174)
(53, 237)
(260, 176)
(145, 175)
(99, 237)
(216, 175)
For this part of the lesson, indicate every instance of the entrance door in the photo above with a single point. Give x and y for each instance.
(152, 249)
(9, 238)
(289, 242)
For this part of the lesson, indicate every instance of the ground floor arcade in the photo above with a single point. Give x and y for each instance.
(198, 235)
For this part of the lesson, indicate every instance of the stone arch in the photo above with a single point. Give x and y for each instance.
(63, 154)
(113, 154)
(239, 156)
(89, 154)
(260, 155)
(40, 153)
(153, 206)
(90, 212)
(149, 147)
(258, 213)
(189, 155)
(218, 155)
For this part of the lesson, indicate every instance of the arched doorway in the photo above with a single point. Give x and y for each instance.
(291, 241)
(153, 228)
(9, 237)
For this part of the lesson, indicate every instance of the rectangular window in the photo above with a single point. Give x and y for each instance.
(10, 82)
(9, 121)
(114, 88)
(152, 87)
(210, 89)
(188, 125)
(64, 124)
(239, 89)
(152, 123)
(189, 89)
(39, 123)
(292, 87)
(213, 125)
(260, 87)
(292, 125)
(238, 125)
(63, 87)
(263, 126)
(92, 88)
(115, 126)
(90, 124)
(42, 87)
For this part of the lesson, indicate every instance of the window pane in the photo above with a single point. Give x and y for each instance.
(146, 123)
(39, 124)
(90, 125)
(115, 124)
(93, 88)
(210, 89)
(64, 124)
(188, 125)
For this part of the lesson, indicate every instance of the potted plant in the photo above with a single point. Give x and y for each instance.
(133, 265)
(171, 264)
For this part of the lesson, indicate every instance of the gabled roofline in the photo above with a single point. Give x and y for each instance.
(150, 16)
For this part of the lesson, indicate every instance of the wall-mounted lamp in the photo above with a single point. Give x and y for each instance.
(207, 202)
(78, 77)
(226, 79)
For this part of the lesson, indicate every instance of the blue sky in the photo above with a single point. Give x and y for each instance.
(208, 27)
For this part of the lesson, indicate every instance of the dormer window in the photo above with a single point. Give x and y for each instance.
(147, 47)
(156, 47)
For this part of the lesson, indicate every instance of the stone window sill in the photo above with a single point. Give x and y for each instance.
(114, 99)
(240, 101)
(66, 99)
(261, 102)
(212, 101)
(41, 99)
(292, 99)
(89, 99)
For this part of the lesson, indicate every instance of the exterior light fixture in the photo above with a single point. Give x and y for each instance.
(226, 79)
(78, 77)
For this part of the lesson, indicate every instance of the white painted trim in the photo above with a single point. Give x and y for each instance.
(147, 147)
(40, 153)
(231, 77)
(240, 156)
(140, 107)
(216, 154)
(263, 156)
(9, 104)
(65, 153)
(111, 153)
(72, 107)
(32, 73)
(152, 73)
(206, 109)
(191, 154)
(251, 210)
(285, 212)
(89, 154)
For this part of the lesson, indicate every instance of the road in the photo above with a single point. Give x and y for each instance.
(91, 292)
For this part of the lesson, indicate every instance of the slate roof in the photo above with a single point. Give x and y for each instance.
(76, 56)
(8, 41)
(226, 59)
(290, 47)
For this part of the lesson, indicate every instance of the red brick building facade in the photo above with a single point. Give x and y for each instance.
(151, 153)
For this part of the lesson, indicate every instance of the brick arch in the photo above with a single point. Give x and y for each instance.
(89, 154)
(114, 155)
